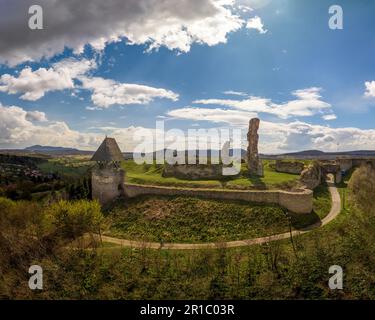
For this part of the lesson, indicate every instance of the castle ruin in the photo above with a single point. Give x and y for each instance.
(254, 164)
(107, 176)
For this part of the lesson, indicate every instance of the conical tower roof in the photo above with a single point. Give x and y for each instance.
(108, 151)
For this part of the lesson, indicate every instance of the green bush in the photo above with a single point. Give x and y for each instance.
(362, 187)
(73, 219)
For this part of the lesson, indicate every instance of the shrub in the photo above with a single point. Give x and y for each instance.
(362, 187)
(73, 219)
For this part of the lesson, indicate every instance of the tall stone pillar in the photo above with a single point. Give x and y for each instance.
(254, 164)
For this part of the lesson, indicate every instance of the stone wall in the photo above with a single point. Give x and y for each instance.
(311, 177)
(333, 167)
(194, 171)
(293, 167)
(107, 183)
(345, 164)
(298, 202)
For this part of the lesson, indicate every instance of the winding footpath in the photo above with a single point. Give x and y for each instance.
(334, 212)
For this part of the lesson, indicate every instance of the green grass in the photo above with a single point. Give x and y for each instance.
(152, 174)
(78, 166)
(322, 203)
(186, 219)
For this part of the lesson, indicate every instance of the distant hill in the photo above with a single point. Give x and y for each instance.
(56, 151)
(317, 154)
(305, 154)
(41, 149)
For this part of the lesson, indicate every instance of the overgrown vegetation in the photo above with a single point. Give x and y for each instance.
(185, 219)
(33, 234)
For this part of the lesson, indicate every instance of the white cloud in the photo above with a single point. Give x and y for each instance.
(233, 117)
(63, 75)
(244, 8)
(152, 22)
(93, 108)
(36, 116)
(301, 136)
(35, 84)
(284, 137)
(308, 103)
(18, 131)
(108, 92)
(370, 89)
(257, 24)
(235, 93)
(329, 117)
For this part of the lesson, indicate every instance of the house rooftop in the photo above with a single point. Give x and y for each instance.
(108, 151)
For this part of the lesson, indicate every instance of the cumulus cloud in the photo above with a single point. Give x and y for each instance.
(301, 136)
(370, 89)
(278, 137)
(20, 128)
(308, 103)
(108, 92)
(233, 117)
(284, 137)
(257, 24)
(36, 116)
(35, 84)
(74, 24)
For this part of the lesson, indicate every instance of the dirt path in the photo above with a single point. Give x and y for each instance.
(335, 210)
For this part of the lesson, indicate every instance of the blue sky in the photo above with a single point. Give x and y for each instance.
(306, 82)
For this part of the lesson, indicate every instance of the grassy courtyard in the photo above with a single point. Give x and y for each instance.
(77, 166)
(152, 174)
(190, 220)
(185, 219)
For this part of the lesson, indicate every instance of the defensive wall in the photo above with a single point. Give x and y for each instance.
(300, 201)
